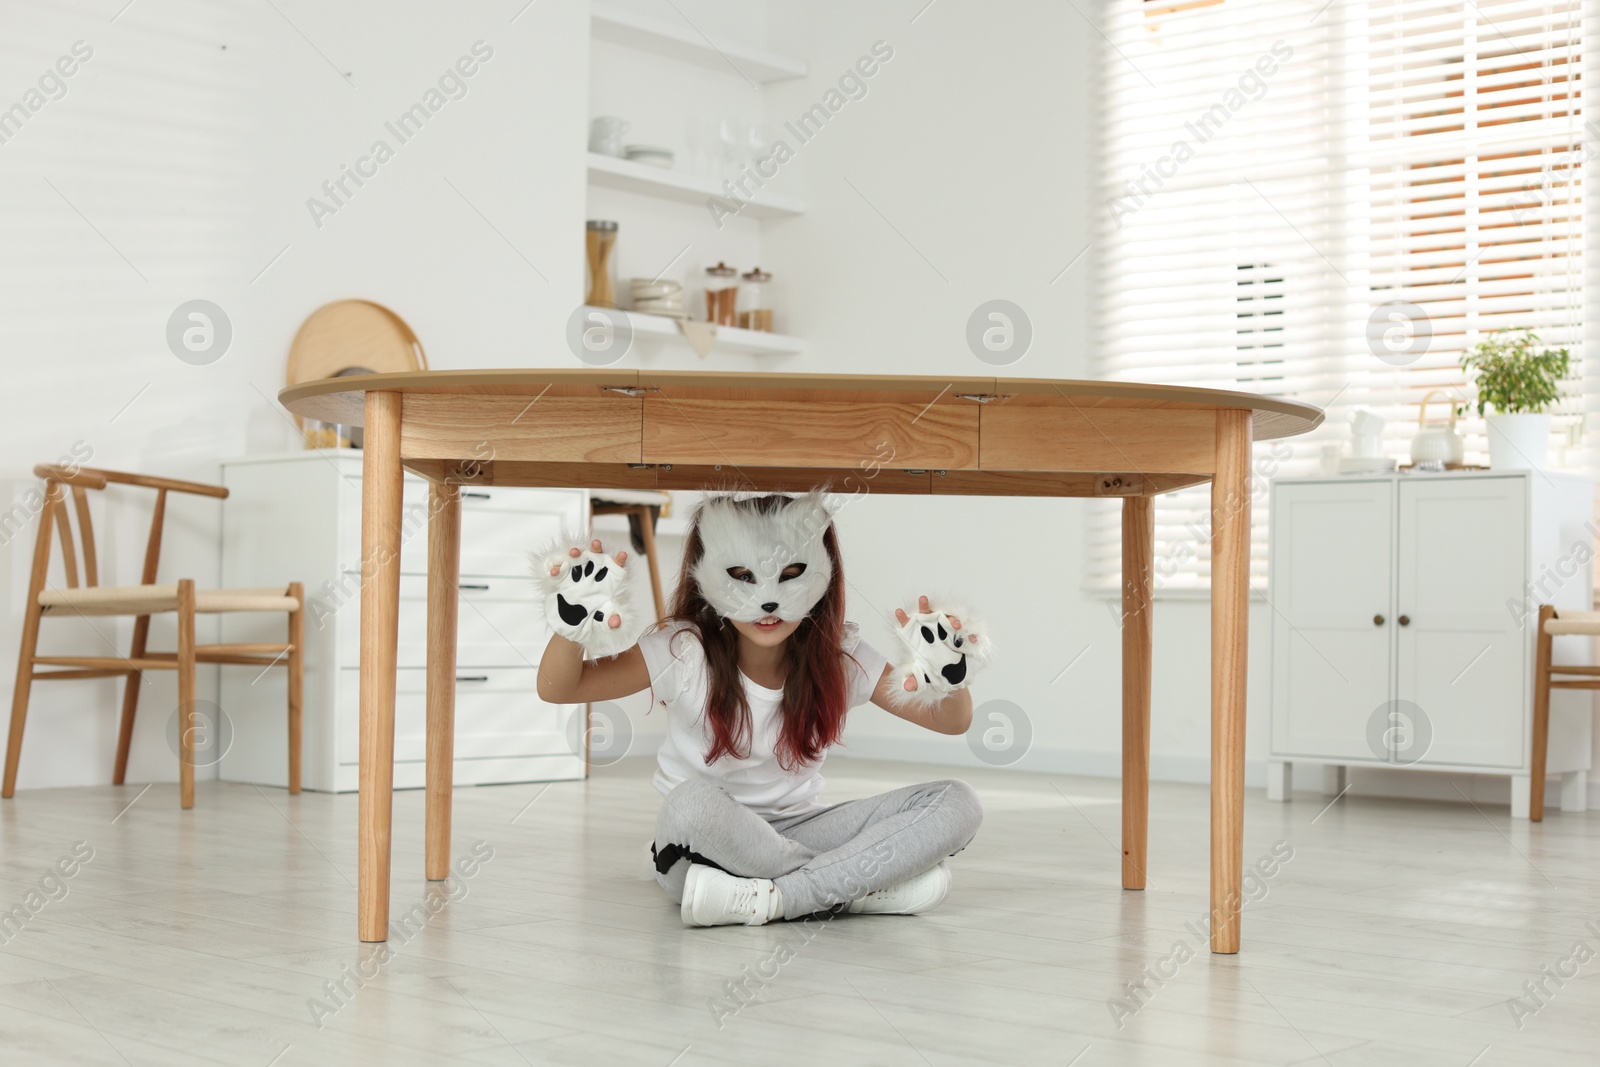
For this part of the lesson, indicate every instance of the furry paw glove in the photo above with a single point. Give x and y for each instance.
(939, 656)
(586, 593)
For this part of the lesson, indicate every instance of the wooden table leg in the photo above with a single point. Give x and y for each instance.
(1541, 715)
(1230, 619)
(1138, 619)
(381, 485)
(444, 571)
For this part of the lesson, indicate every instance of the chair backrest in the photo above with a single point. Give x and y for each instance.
(62, 481)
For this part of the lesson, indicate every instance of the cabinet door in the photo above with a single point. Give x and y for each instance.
(1460, 658)
(1332, 580)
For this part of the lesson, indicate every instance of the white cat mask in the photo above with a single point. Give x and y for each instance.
(760, 545)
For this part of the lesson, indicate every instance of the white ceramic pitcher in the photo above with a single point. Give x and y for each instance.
(1439, 442)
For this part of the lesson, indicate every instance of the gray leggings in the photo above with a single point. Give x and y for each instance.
(819, 858)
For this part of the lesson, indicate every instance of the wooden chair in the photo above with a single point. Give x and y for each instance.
(643, 508)
(1554, 622)
(141, 601)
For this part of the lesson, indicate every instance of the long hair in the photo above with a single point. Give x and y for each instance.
(813, 704)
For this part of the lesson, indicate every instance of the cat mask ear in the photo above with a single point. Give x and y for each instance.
(762, 560)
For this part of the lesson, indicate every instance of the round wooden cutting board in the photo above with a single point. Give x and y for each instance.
(353, 335)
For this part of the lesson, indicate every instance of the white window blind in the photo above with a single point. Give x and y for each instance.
(1281, 175)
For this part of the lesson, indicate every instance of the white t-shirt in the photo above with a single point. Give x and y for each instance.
(679, 685)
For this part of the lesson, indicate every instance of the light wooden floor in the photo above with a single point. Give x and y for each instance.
(1396, 935)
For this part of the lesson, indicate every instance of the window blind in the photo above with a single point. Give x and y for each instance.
(1332, 202)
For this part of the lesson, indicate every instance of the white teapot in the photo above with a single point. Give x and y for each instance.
(1437, 443)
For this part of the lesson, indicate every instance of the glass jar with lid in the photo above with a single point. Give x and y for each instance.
(600, 236)
(755, 312)
(722, 292)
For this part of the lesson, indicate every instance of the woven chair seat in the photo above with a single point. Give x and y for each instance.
(1573, 622)
(155, 599)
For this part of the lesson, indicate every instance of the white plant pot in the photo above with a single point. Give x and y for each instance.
(1518, 442)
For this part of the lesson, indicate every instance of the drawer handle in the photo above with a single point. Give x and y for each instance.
(472, 585)
(1405, 620)
(472, 678)
(1377, 620)
(475, 496)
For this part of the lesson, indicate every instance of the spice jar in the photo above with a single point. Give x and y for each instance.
(320, 434)
(722, 293)
(600, 236)
(754, 311)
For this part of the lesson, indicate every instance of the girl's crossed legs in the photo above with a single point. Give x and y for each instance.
(821, 858)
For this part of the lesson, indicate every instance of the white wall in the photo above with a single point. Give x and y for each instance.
(190, 143)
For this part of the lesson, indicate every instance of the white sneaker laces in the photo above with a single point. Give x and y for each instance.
(746, 900)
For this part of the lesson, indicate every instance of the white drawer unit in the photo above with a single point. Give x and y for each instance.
(494, 719)
(298, 517)
(1404, 617)
(498, 623)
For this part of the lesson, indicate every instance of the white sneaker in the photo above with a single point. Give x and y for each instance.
(922, 892)
(712, 897)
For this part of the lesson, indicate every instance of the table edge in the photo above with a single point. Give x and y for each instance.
(1292, 416)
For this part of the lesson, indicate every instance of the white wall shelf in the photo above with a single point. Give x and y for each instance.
(729, 338)
(614, 173)
(690, 46)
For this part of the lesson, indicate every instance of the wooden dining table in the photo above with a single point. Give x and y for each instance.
(906, 435)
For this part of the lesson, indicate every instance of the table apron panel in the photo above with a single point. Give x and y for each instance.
(863, 436)
(1026, 437)
(532, 473)
(1119, 482)
(552, 429)
(842, 482)
(847, 481)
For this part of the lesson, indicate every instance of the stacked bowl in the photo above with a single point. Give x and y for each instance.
(658, 297)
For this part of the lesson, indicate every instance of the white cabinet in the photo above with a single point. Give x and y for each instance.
(298, 517)
(1404, 621)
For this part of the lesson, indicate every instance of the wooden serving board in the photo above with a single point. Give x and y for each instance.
(349, 335)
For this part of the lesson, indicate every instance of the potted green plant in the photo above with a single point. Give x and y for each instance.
(1519, 380)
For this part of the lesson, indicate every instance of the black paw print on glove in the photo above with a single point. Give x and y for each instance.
(938, 647)
(586, 583)
(587, 595)
(953, 661)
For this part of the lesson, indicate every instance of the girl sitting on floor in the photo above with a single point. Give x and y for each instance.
(756, 667)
